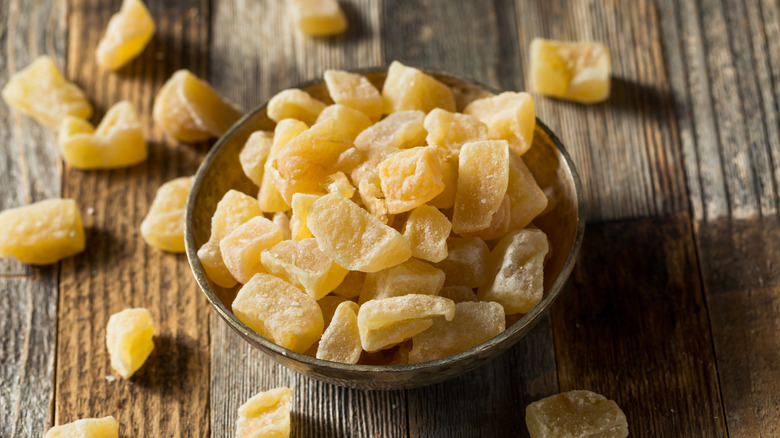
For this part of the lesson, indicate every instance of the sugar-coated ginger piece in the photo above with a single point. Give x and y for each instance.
(373, 200)
(163, 226)
(353, 238)
(410, 277)
(254, 154)
(385, 322)
(411, 178)
(42, 233)
(569, 70)
(241, 248)
(129, 339)
(281, 220)
(349, 121)
(526, 199)
(269, 197)
(302, 263)
(300, 211)
(402, 130)
(355, 91)
(407, 88)
(40, 91)
(473, 324)
(319, 17)
(575, 414)
(516, 271)
(459, 294)
(341, 340)
(118, 140)
(509, 116)
(105, 427)
(483, 175)
(351, 286)
(127, 34)
(339, 183)
(265, 415)
(280, 312)
(466, 262)
(190, 110)
(427, 230)
(453, 130)
(294, 104)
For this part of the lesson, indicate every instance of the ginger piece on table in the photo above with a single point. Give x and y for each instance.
(254, 154)
(526, 199)
(355, 91)
(411, 178)
(294, 104)
(268, 196)
(266, 414)
(302, 263)
(453, 130)
(483, 176)
(575, 414)
(129, 339)
(41, 92)
(401, 130)
(350, 121)
(466, 262)
(163, 226)
(241, 248)
(427, 230)
(127, 34)
(341, 340)
(509, 116)
(574, 71)
(42, 233)
(407, 88)
(410, 277)
(105, 427)
(319, 17)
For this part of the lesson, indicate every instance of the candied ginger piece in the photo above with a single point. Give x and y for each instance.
(254, 153)
(410, 277)
(526, 199)
(353, 238)
(40, 91)
(516, 267)
(411, 178)
(449, 174)
(281, 220)
(575, 414)
(473, 324)
(269, 197)
(509, 116)
(319, 17)
(42, 233)
(407, 88)
(129, 339)
(572, 71)
(458, 294)
(385, 322)
(294, 104)
(302, 263)
(190, 110)
(301, 202)
(349, 121)
(483, 175)
(280, 312)
(266, 414)
(427, 230)
(339, 183)
(341, 340)
(400, 130)
(241, 248)
(391, 335)
(499, 224)
(453, 130)
(355, 91)
(373, 199)
(163, 226)
(127, 34)
(351, 286)
(466, 262)
(105, 427)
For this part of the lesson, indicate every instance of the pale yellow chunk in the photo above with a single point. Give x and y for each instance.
(411, 178)
(400, 130)
(453, 130)
(385, 322)
(301, 202)
(473, 324)
(459, 294)
(40, 91)
(575, 414)
(526, 198)
(105, 427)
(354, 91)
(516, 271)
(427, 230)
(280, 312)
(303, 264)
(373, 200)
(391, 335)
(42, 233)
(353, 238)
(294, 104)
(241, 248)
(319, 17)
(127, 34)
(190, 110)
(509, 116)
(339, 183)
(407, 88)
(129, 339)
(466, 262)
(499, 224)
(269, 197)
(571, 71)
(118, 140)
(254, 154)
(163, 226)
(281, 220)
(349, 121)
(351, 286)
(341, 340)
(483, 176)
(265, 415)
(410, 277)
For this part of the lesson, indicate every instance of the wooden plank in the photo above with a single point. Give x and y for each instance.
(169, 395)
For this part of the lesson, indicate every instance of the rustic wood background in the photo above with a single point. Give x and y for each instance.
(673, 309)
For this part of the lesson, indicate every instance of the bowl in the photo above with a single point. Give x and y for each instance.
(563, 224)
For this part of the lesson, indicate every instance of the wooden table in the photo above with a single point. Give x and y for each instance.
(673, 309)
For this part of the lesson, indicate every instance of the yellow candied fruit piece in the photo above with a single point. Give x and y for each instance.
(400, 130)
(526, 198)
(163, 226)
(129, 339)
(341, 340)
(349, 121)
(353, 238)
(40, 91)
(351, 286)
(105, 427)
(427, 230)
(118, 140)
(280, 312)
(466, 262)
(319, 17)
(407, 88)
(449, 174)
(453, 130)
(483, 175)
(373, 199)
(509, 116)
(266, 414)
(42, 233)
(254, 154)
(411, 178)
(516, 270)
(473, 324)
(269, 197)
(410, 277)
(575, 414)
(190, 110)
(301, 202)
(392, 335)
(367, 170)
(385, 322)
(459, 294)
(339, 183)
(572, 71)
(241, 248)
(302, 263)
(127, 34)
(294, 104)
(499, 224)
(354, 91)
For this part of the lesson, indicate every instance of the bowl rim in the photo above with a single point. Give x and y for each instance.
(524, 324)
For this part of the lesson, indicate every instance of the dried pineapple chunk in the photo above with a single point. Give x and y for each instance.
(411, 178)
(427, 230)
(43, 232)
(127, 34)
(402, 130)
(241, 248)
(341, 340)
(509, 116)
(294, 104)
(266, 414)
(410, 277)
(254, 154)
(40, 91)
(573, 71)
(483, 176)
(385, 322)
(319, 17)
(105, 427)
(354, 91)
(129, 339)
(466, 262)
(575, 414)
(349, 121)
(407, 88)
(453, 130)
(302, 263)
(163, 226)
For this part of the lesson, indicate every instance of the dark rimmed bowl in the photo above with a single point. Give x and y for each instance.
(564, 226)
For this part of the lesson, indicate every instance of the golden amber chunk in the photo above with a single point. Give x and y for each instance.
(319, 17)
(575, 414)
(410, 277)
(254, 154)
(571, 71)
(400, 130)
(40, 91)
(407, 88)
(483, 175)
(354, 91)
(349, 121)
(341, 340)
(302, 263)
(509, 116)
(427, 230)
(294, 104)
(163, 226)
(526, 198)
(129, 339)
(42, 233)
(453, 130)
(127, 34)
(241, 248)
(466, 262)
(267, 415)
(411, 178)
(105, 427)
(389, 321)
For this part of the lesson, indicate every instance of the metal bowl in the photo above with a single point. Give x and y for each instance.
(564, 226)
